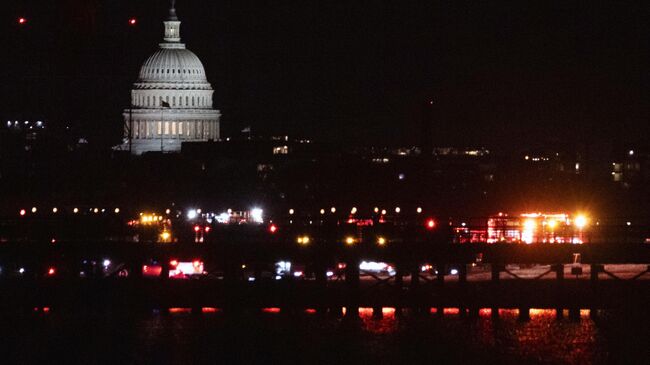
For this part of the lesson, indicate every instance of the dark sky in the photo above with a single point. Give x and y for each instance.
(501, 72)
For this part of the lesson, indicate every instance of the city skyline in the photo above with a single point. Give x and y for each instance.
(500, 74)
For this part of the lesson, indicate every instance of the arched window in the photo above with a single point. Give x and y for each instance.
(174, 101)
(187, 101)
(192, 101)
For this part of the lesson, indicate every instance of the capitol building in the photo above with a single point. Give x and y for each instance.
(171, 101)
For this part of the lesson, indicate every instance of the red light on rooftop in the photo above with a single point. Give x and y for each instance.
(207, 229)
(51, 271)
(196, 263)
(430, 224)
(22, 20)
(133, 21)
(197, 228)
(273, 228)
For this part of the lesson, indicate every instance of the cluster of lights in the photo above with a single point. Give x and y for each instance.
(355, 210)
(303, 240)
(75, 210)
(148, 219)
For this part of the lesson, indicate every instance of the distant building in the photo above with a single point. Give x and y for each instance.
(630, 167)
(171, 102)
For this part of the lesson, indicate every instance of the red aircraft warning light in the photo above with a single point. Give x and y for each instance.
(133, 21)
(51, 271)
(273, 228)
(430, 223)
(22, 20)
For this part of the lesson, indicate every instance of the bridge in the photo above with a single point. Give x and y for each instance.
(326, 269)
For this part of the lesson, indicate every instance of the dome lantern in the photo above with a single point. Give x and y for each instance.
(172, 26)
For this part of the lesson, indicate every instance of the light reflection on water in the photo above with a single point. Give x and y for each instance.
(269, 336)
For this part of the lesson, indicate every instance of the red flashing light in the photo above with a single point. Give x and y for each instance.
(196, 263)
(197, 228)
(51, 271)
(22, 20)
(133, 21)
(207, 229)
(173, 263)
(273, 228)
(430, 224)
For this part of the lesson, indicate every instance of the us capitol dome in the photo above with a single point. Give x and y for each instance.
(171, 101)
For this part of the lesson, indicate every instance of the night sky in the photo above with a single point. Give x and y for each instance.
(502, 73)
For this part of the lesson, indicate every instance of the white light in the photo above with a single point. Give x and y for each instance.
(251, 278)
(167, 211)
(229, 211)
(191, 214)
(333, 210)
(581, 221)
(278, 277)
(398, 209)
(322, 211)
(329, 273)
(198, 211)
(631, 152)
(75, 210)
(372, 266)
(106, 263)
(353, 210)
(628, 223)
(55, 209)
(223, 218)
(257, 215)
(297, 274)
(34, 210)
(21, 270)
(383, 212)
(291, 211)
(282, 267)
(117, 210)
(454, 271)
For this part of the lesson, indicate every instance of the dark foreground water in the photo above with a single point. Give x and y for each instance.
(274, 338)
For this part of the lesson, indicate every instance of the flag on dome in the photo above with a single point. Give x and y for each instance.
(165, 104)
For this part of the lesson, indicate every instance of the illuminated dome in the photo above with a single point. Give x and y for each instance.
(172, 65)
(171, 101)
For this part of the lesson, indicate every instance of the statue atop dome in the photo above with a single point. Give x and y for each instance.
(172, 11)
